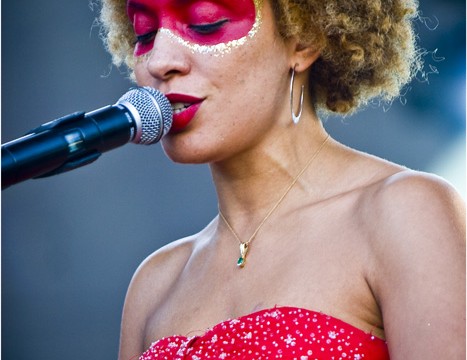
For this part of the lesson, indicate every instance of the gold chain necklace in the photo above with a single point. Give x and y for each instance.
(245, 245)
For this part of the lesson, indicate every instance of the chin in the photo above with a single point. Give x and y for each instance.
(182, 159)
(185, 154)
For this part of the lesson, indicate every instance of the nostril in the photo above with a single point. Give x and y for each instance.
(172, 72)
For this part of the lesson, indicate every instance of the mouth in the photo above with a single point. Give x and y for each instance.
(184, 109)
(179, 107)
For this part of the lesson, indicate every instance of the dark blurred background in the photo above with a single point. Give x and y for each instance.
(71, 243)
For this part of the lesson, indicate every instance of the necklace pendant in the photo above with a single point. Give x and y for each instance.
(243, 252)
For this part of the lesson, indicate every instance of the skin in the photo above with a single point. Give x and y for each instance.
(357, 237)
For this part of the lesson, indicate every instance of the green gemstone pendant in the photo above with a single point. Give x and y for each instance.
(243, 251)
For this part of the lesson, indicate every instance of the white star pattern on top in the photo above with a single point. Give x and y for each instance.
(278, 333)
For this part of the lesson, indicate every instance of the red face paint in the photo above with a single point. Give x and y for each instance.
(199, 24)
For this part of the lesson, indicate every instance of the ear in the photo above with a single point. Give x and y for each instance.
(303, 56)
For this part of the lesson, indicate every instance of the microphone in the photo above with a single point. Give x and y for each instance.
(142, 116)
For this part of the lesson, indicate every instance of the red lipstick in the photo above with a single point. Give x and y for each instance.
(184, 109)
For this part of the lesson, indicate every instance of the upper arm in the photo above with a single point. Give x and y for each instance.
(149, 286)
(134, 315)
(420, 267)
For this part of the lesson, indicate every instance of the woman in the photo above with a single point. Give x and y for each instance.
(340, 254)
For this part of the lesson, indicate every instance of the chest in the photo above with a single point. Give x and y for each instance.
(213, 290)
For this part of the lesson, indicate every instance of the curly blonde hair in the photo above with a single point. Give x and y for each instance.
(367, 47)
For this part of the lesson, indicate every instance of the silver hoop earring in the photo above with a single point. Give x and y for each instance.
(296, 118)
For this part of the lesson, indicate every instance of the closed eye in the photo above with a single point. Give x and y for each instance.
(146, 38)
(206, 29)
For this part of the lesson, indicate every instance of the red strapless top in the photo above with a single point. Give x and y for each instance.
(278, 333)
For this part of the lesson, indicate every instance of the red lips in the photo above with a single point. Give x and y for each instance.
(185, 108)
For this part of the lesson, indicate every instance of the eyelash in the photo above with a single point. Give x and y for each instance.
(206, 29)
(145, 38)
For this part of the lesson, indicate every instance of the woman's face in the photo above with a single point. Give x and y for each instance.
(223, 67)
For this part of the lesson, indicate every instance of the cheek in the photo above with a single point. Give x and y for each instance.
(138, 73)
(142, 76)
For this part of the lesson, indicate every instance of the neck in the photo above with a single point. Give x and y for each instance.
(250, 184)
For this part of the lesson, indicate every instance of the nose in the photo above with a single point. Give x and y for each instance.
(168, 57)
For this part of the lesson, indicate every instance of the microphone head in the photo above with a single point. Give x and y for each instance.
(151, 111)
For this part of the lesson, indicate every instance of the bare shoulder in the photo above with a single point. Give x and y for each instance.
(410, 201)
(161, 267)
(416, 223)
(149, 286)
(155, 275)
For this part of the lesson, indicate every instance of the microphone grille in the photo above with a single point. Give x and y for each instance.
(153, 113)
